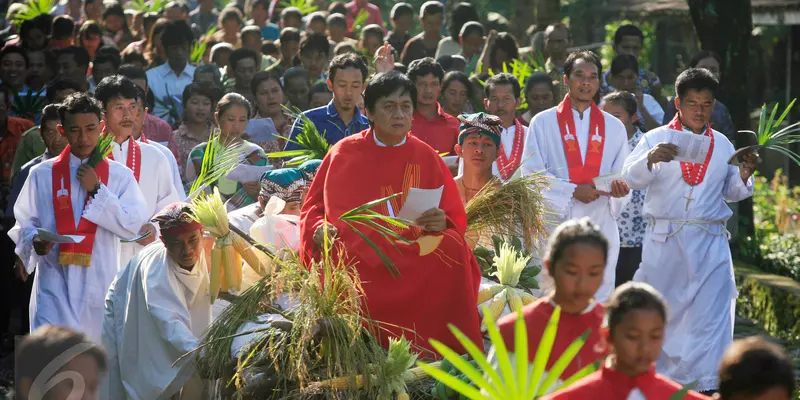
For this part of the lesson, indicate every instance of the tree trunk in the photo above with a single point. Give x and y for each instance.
(725, 27)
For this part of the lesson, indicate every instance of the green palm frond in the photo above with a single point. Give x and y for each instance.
(517, 379)
(169, 105)
(770, 137)
(521, 70)
(305, 6)
(101, 150)
(200, 46)
(680, 394)
(218, 161)
(30, 105)
(313, 145)
(364, 216)
(147, 6)
(33, 8)
(359, 22)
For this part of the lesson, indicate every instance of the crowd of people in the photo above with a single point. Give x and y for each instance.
(106, 251)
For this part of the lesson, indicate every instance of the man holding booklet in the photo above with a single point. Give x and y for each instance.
(687, 257)
(575, 143)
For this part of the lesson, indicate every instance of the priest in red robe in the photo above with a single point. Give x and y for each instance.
(438, 275)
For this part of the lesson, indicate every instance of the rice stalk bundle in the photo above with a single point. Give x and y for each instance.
(515, 208)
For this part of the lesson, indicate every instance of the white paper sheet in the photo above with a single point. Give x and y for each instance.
(248, 173)
(692, 148)
(260, 130)
(52, 237)
(603, 182)
(420, 200)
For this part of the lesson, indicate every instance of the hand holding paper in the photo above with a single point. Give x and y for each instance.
(420, 201)
(692, 148)
(51, 237)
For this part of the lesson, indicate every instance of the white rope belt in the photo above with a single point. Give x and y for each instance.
(651, 223)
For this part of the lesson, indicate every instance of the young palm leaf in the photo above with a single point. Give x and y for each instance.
(770, 137)
(200, 46)
(313, 145)
(517, 379)
(679, 395)
(101, 150)
(359, 22)
(147, 6)
(33, 8)
(364, 216)
(218, 161)
(305, 6)
(30, 105)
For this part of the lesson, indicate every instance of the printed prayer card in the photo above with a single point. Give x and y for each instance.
(420, 200)
(52, 237)
(691, 148)
(603, 182)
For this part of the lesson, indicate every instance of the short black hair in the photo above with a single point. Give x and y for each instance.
(107, 57)
(230, 13)
(400, 67)
(400, 10)
(374, 30)
(385, 84)
(317, 16)
(79, 54)
(316, 41)
(198, 89)
(572, 232)
(177, 33)
(294, 73)
(63, 27)
(460, 14)
(177, 4)
(131, 71)
(623, 62)
(37, 351)
(268, 47)
(697, 79)
(539, 78)
(632, 296)
(752, 366)
(115, 86)
(431, 8)
(15, 50)
(502, 79)
(472, 28)
(624, 99)
(291, 12)
(289, 35)
(261, 77)
(241, 54)
(49, 113)
(627, 30)
(41, 22)
(337, 7)
(347, 60)
(337, 20)
(423, 67)
(59, 85)
(344, 45)
(703, 54)
(262, 3)
(89, 28)
(132, 57)
(80, 103)
(585, 55)
(457, 76)
(115, 10)
(506, 42)
(230, 100)
(319, 87)
(250, 30)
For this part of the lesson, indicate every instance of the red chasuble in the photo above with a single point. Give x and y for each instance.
(570, 327)
(73, 253)
(433, 289)
(608, 384)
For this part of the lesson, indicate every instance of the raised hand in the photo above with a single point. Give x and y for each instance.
(384, 58)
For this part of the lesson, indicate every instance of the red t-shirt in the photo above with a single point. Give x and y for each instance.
(439, 132)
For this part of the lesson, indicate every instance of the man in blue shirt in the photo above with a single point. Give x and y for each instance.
(341, 117)
(168, 80)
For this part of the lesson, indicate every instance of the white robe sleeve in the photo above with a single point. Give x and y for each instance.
(112, 384)
(26, 213)
(162, 293)
(735, 188)
(621, 153)
(122, 215)
(167, 192)
(635, 171)
(534, 160)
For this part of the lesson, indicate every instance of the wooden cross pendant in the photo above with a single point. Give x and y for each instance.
(689, 198)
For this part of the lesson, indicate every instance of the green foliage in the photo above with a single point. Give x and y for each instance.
(33, 8)
(770, 138)
(147, 6)
(200, 46)
(360, 22)
(101, 150)
(522, 70)
(313, 145)
(305, 6)
(218, 161)
(30, 105)
(485, 257)
(648, 47)
(774, 307)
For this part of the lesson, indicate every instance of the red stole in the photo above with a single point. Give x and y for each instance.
(570, 327)
(134, 162)
(507, 165)
(73, 253)
(143, 139)
(581, 173)
(694, 174)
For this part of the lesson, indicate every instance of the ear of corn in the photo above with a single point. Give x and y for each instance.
(485, 294)
(247, 254)
(498, 304)
(216, 274)
(514, 302)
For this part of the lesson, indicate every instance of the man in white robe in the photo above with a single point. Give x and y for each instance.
(120, 98)
(157, 310)
(574, 143)
(108, 204)
(686, 255)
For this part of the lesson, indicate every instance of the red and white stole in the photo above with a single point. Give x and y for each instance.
(73, 253)
(134, 161)
(143, 138)
(507, 165)
(694, 174)
(581, 173)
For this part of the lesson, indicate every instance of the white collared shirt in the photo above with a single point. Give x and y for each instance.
(168, 87)
(381, 144)
(507, 139)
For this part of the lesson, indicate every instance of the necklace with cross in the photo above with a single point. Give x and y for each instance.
(689, 198)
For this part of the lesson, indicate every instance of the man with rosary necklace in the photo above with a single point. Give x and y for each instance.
(686, 255)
